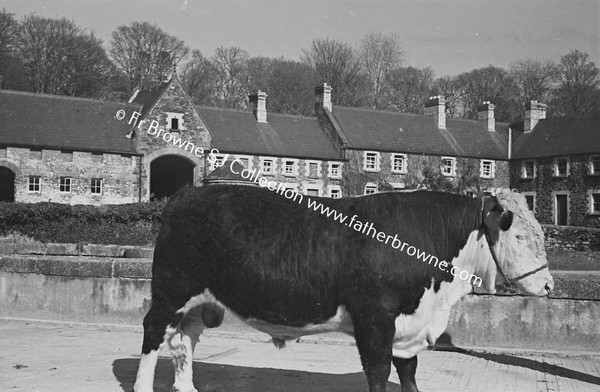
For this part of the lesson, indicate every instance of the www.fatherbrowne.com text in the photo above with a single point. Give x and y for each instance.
(366, 228)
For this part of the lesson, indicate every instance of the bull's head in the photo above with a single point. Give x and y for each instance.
(516, 242)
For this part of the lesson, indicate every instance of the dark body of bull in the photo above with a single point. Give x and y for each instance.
(273, 259)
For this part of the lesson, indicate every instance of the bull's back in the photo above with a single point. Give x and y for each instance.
(260, 254)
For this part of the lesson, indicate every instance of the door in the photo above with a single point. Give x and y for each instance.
(561, 210)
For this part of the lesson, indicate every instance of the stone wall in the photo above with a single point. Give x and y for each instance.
(572, 238)
(119, 172)
(545, 185)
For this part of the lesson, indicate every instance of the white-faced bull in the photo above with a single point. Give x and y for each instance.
(290, 271)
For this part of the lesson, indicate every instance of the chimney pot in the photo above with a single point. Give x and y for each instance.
(486, 113)
(534, 112)
(259, 102)
(323, 94)
(436, 107)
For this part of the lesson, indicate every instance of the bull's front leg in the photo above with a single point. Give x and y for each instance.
(407, 368)
(374, 335)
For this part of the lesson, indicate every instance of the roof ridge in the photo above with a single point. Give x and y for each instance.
(236, 110)
(64, 97)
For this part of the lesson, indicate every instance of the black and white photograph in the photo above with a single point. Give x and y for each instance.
(300, 196)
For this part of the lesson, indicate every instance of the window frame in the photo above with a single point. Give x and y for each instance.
(377, 167)
(169, 120)
(92, 186)
(218, 158)
(555, 167)
(591, 194)
(307, 164)
(273, 167)
(312, 188)
(248, 157)
(534, 195)
(330, 169)
(453, 167)
(482, 164)
(404, 158)
(370, 186)
(69, 185)
(524, 171)
(336, 188)
(591, 170)
(284, 166)
(35, 184)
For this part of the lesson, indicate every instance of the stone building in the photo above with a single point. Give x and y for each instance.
(556, 164)
(82, 151)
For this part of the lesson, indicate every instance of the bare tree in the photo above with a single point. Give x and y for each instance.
(535, 79)
(259, 72)
(61, 58)
(578, 93)
(9, 31)
(379, 55)
(199, 77)
(409, 88)
(335, 62)
(450, 88)
(145, 53)
(232, 76)
(489, 84)
(290, 87)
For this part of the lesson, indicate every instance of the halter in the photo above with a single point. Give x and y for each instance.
(508, 282)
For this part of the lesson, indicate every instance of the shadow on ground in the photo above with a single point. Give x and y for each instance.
(221, 378)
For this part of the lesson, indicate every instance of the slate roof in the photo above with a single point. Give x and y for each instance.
(147, 98)
(559, 137)
(59, 122)
(236, 131)
(367, 129)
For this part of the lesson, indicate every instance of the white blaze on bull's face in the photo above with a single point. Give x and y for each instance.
(520, 249)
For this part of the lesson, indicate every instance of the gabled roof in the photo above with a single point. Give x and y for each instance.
(418, 134)
(559, 136)
(59, 122)
(147, 98)
(236, 131)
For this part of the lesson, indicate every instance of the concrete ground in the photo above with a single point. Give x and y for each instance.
(60, 357)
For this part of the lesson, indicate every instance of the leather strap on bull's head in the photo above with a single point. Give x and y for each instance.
(495, 219)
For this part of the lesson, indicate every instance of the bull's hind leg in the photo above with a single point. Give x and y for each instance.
(155, 323)
(183, 339)
(407, 368)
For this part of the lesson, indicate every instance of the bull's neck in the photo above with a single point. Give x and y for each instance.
(474, 258)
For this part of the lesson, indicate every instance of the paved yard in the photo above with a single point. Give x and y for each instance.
(63, 358)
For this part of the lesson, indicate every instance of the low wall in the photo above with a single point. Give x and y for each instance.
(572, 238)
(117, 291)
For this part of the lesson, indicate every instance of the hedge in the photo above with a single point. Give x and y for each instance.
(123, 224)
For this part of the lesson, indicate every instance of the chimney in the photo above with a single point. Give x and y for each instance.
(259, 103)
(436, 107)
(486, 113)
(323, 94)
(534, 112)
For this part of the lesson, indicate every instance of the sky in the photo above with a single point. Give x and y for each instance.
(450, 36)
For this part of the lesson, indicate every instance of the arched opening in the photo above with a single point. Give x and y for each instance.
(7, 184)
(168, 174)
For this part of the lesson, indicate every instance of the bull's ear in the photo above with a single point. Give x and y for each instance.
(495, 217)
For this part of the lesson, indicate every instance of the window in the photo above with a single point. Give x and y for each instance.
(96, 186)
(528, 169)
(97, 157)
(371, 161)
(561, 167)
(313, 169)
(35, 153)
(487, 169)
(470, 194)
(218, 161)
(595, 203)
(312, 192)
(398, 163)
(370, 188)
(335, 193)
(530, 199)
(267, 166)
(595, 165)
(448, 166)
(35, 183)
(335, 170)
(245, 162)
(290, 167)
(65, 184)
(174, 123)
(397, 186)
